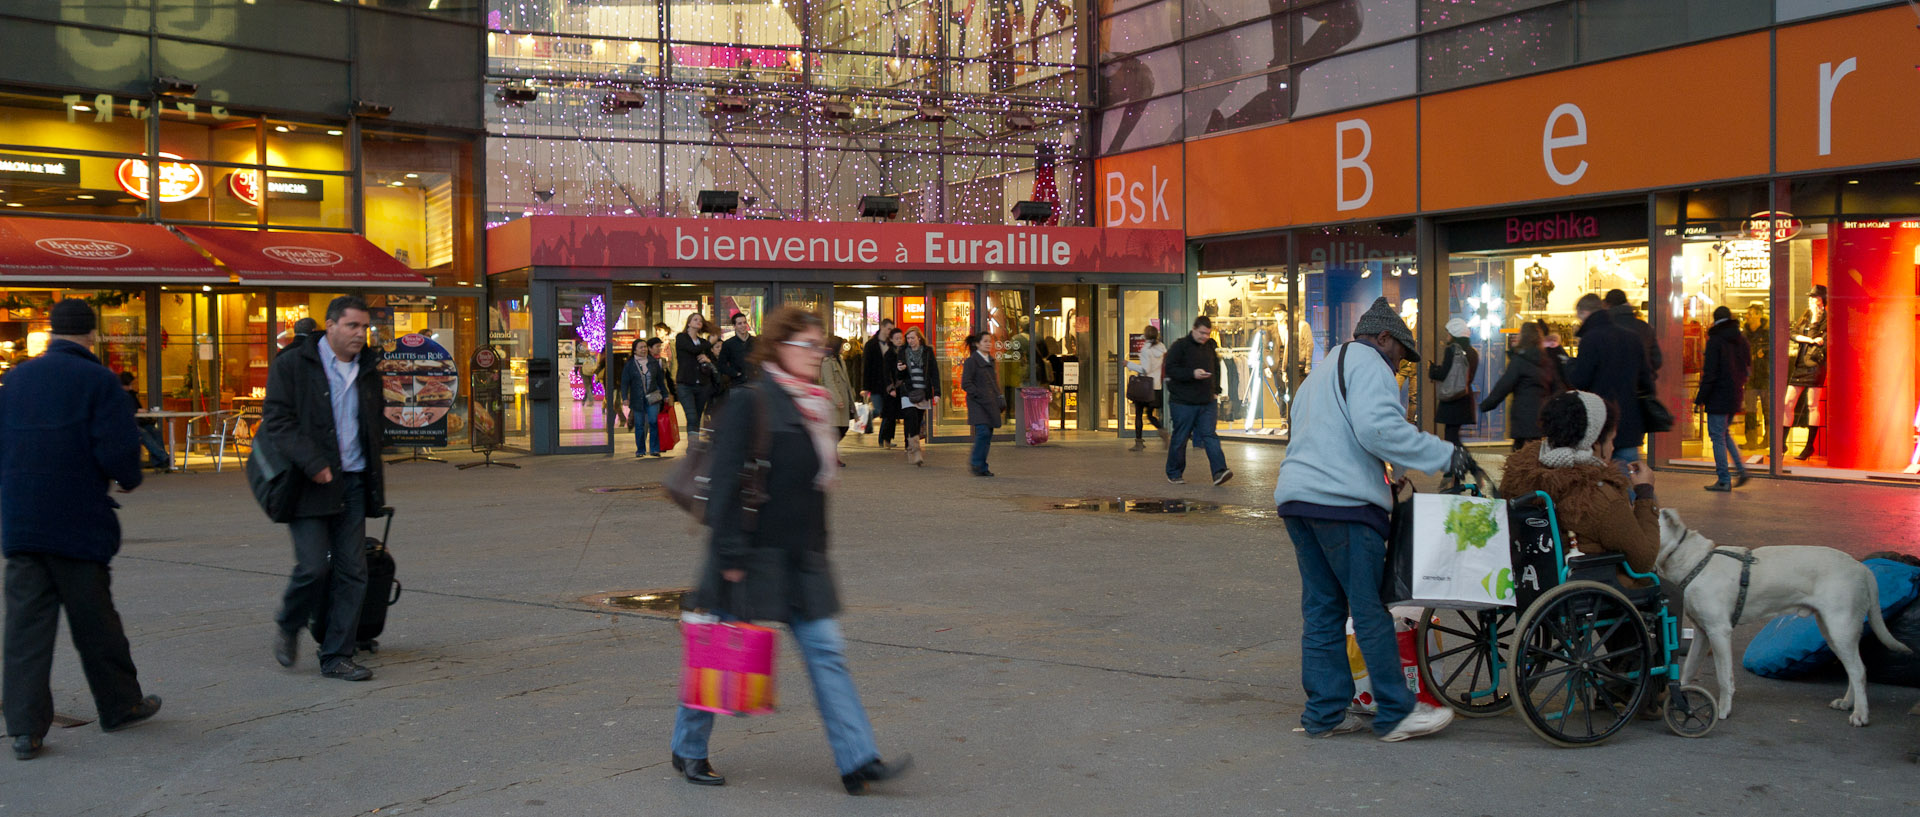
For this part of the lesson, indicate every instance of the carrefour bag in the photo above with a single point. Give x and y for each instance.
(1457, 552)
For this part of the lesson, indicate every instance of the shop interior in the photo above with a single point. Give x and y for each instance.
(1254, 325)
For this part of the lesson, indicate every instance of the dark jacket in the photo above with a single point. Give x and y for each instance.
(1723, 374)
(1809, 364)
(1594, 502)
(785, 556)
(874, 374)
(1613, 364)
(733, 358)
(1528, 382)
(1184, 357)
(903, 378)
(1458, 411)
(1624, 318)
(686, 354)
(298, 416)
(66, 431)
(1760, 345)
(986, 405)
(660, 381)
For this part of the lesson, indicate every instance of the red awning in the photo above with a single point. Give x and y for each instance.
(99, 252)
(307, 259)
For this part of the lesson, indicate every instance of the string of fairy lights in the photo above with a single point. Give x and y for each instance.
(802, 122)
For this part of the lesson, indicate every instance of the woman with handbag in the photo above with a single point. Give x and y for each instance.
(1143, 387)
(693, 354)
(917, 384)
(775, 566)
(647, 390)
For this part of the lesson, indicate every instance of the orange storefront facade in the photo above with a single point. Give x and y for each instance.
(1773, 172)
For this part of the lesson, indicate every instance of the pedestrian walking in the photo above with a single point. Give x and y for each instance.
(157, 456)
(1333, 495)
(694, 371)
(736, 350)
(1192, 369)
(647, 390)
(1626, 318)
(917, 383)
(878, 377)
(1606, 510)
(833, 378)
(778, 569)
(1612, 364)
(1455, 372)
(1152, 354)
(1529, 380)
(986, 405)
(1723, 387)
(66, 431)
(1759, 336)
(323, 410)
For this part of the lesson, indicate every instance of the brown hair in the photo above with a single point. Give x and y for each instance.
(781, 326)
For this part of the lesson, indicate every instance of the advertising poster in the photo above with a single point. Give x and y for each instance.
(417, 385)
(488, 415)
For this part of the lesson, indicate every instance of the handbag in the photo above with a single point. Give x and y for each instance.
(275, 483)
(1140, 390)
(1655, 418)
(691, 480)
(727, 668)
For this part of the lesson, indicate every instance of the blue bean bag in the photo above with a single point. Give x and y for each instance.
(1791, 646)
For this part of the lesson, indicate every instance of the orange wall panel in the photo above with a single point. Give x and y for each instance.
(1676, 117)
(1238, 182)
(1358, 164)
(1849, 92)
(1143, 189)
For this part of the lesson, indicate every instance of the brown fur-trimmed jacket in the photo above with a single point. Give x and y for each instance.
(1594, 502)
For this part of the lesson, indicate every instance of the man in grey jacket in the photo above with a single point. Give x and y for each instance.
(1333, 494)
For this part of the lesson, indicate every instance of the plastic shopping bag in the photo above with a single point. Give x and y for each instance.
(1452, 551)
(727, 667)
(1363, 701)
(861, 412)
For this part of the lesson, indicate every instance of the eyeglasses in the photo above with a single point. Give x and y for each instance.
(811, 347)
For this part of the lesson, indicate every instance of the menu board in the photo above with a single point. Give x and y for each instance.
(487, 415)
(418, 382)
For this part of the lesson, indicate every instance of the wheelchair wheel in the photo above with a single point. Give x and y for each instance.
(1580, 664)
(1469, 670)
(1691, 711)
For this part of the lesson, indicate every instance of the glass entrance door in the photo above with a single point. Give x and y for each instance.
(953, 320)
(1139, 309)
(581, 366)
(1008, 323)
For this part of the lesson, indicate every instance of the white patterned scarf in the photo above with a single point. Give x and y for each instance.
(815, 407)
(1581, 453)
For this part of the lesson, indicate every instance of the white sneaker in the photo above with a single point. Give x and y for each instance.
(1347, 726)
(1425, 719)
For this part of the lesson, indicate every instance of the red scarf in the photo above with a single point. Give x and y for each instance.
(815, 407)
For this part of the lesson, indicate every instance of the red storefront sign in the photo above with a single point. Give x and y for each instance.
(50, 248)
(573, 241)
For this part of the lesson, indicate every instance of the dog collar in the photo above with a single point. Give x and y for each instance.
(1746, 560)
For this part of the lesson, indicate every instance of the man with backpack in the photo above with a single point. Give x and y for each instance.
(1332, 492)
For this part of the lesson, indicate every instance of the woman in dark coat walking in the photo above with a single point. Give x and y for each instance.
(1459, 411)
(693, 367)
(1530, 379)
(1723, 385)
(776, 569)
(916, 378)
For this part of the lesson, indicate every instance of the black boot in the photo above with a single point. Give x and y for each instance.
(698, 771)
(1813, 433)
(875, 771)
(25, 747)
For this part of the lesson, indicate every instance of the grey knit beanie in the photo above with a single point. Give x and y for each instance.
(1381, 318)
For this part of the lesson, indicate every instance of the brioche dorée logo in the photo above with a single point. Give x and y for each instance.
(304, 256)
(91, 249)
(1556, 227)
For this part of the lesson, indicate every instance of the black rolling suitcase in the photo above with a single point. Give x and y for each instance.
(383, 591)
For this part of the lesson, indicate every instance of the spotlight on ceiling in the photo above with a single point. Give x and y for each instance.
(879, 206)
(1022, 122)
(516, 94)
(175, 86)
(368, 109)
(1033, 212)
(719, 201)
(622, 102)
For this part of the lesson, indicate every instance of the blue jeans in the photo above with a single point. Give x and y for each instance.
(647, 428)
(1197, 422)
(982, 434)
(1724, 450)
(1340, 569)
(156, 452)
(824, 651)
(1622, 456)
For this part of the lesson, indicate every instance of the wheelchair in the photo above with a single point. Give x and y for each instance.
(1580, 658)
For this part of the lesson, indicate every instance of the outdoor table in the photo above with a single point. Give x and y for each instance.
(167, 418)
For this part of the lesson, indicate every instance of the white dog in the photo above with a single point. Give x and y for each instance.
(1818, 581)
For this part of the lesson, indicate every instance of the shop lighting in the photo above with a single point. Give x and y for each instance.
(1484, 312)
(15, 204)
(413, 175)
(281, 129)
(335, 132)
(82, 109)
(879, 206)
(85, 197)
(174, 86)
(515, 95)
(369, 109)
(719, 201)
(1033, 212)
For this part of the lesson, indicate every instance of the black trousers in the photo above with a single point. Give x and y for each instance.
(1143, 414)
(889, 415)
(38, 586)
(330, 568)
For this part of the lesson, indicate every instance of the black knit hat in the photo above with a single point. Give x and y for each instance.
(1381, 318)
(73, 317)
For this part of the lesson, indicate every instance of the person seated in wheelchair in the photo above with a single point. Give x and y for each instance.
(1603, 510)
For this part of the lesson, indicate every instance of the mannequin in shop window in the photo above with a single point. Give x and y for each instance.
(1807, 378)
(1759, 333)
(1539, 286)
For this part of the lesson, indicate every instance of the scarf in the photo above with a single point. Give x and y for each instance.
(1581, 452)
(815, 407)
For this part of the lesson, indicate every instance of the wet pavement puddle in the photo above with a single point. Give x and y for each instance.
(649, 602)
(1185, 508)
(621, 489)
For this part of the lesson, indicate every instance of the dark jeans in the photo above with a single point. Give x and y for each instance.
(1340, 565)
(156, 451)
(646, 426)
(1195, 422)
(38, 586)
(889, 415)
(1144, 414)
(330, 568)
(694, 400)
(982, 435)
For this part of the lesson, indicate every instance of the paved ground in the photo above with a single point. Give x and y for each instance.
(1033, 661)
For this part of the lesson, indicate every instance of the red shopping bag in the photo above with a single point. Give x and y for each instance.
(728, 668)
(669, 429)
(1363, 701)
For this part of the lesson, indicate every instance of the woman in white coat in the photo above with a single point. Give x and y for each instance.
(1151, 353)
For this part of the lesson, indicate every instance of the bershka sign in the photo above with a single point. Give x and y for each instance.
(569, 241)
(1598, 225)
(90, 249)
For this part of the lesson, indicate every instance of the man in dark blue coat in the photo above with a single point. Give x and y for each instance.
(66, 431)
(1613, 364)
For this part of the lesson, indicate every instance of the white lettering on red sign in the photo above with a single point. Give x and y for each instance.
(179, 181)
(90, 249)
(1125, 204)
(304, 256)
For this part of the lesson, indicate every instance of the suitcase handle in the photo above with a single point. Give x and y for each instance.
(395, 598)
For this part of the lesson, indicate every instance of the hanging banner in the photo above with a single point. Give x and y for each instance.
(417, 384)
(486, 413)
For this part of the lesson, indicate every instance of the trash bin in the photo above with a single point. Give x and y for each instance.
(1036, 405)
